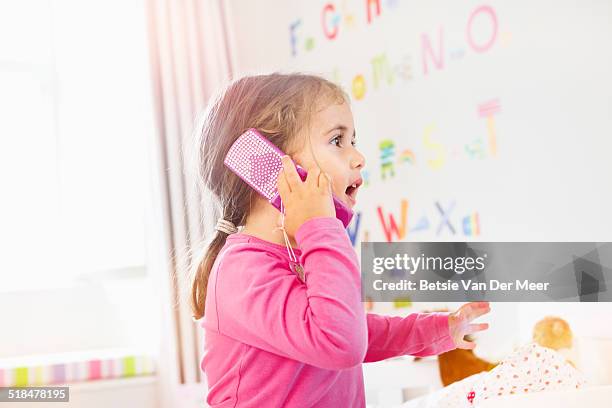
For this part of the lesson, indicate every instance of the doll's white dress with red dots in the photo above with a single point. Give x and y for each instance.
(531, 368)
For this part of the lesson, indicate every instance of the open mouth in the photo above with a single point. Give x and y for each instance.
(351, 190)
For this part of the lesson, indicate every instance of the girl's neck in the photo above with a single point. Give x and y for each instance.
(262, 222)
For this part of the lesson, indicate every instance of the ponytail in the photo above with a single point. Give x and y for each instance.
(202, 273)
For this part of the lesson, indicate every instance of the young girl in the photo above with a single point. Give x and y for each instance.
(275, 338)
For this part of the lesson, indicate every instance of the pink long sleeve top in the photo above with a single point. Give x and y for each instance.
(273, 341)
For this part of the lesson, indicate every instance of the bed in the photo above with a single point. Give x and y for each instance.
(591, 397)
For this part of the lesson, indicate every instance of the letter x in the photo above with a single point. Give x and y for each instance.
(445, 215)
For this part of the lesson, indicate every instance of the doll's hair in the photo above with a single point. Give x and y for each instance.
(280, 106)
(553, 332)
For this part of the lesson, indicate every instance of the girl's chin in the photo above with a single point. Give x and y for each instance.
(350, 201)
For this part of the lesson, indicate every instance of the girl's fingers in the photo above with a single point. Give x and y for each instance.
(473, 328)
(465, 314)
(312, 178)
(282, 185)
(466, 345)
(291, 174)
(475, 309)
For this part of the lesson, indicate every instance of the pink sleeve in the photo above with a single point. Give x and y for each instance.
(259, 301)
(418, 334)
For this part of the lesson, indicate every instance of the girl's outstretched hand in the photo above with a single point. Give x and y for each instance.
(459, 323)
(304, 200)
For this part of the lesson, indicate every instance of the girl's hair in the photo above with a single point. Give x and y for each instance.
(279, 106)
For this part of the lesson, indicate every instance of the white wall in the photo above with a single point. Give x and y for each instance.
(120, 314)
(548, 68)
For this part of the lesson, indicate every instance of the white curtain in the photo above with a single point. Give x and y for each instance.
(190, 60)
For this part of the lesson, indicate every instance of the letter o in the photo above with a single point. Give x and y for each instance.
(484, 9)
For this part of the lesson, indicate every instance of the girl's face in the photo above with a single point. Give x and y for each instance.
(333, 143)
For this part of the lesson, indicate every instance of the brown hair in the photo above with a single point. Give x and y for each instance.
(279, 106)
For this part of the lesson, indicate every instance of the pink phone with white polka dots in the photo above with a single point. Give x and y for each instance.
(257, 161)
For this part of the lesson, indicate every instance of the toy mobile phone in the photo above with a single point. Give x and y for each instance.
(258, 162)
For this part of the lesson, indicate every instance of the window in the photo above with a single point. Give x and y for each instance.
(76, 115)
(75, 122)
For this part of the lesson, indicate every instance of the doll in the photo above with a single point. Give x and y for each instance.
(555, 333)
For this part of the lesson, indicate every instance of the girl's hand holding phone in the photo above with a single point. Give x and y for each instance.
(459, 323)
(303, 200)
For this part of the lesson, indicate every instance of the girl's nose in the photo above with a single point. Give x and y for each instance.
(358, 161)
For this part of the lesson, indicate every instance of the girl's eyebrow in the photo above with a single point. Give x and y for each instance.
(341, 127)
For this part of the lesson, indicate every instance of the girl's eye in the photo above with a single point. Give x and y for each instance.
(337, 139)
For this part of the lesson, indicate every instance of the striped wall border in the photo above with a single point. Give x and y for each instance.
(77, 371)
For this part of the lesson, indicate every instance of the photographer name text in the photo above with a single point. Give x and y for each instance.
(492, 285)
